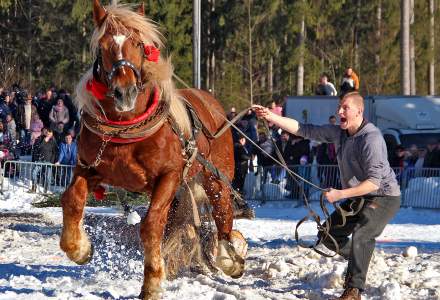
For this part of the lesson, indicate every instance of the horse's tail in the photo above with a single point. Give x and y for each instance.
(189, 243)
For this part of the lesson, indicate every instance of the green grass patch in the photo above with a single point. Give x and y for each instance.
(113, 198)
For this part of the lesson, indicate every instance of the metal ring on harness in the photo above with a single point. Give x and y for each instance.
(344, 214)
(323, 228)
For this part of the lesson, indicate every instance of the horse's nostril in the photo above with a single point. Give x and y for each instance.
(117, 93)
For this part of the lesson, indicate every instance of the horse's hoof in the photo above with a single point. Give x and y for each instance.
(228, 260)
(87, 258)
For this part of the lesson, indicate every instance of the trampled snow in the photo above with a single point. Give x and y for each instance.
(32, 266)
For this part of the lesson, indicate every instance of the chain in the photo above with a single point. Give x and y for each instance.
(106, 138)
(98, 156)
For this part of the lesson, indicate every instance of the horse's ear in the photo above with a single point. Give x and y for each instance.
(99, 13)
(141, 9)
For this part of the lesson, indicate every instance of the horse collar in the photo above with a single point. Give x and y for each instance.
(129, 131)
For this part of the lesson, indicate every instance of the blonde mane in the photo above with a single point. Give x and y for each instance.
(138, 28)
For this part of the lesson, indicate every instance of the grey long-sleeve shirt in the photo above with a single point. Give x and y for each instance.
(360, 157)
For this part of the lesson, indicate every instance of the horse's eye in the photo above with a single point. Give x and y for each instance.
(105, 46)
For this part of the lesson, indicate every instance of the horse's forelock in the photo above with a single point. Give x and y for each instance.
(123, 19)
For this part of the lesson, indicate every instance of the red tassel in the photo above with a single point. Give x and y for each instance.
(152, 53)
(99, 193)
(98, 89)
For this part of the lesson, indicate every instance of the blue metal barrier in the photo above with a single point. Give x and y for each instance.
(35, 177)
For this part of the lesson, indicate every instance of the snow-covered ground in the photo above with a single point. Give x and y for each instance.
(33, 267)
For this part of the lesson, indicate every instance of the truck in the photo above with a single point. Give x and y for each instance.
(403, 120)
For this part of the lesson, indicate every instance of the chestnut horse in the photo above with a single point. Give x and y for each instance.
(137, 134)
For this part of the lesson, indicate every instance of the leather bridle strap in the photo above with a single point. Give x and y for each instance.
(123, 63)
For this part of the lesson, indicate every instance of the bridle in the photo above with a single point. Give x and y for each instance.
(148, 52)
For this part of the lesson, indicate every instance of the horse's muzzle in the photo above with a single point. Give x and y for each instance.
(125, 98)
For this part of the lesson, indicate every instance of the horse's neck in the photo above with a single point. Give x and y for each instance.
(142, 102)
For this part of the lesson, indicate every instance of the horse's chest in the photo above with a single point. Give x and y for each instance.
(125, 172)
(119, 167)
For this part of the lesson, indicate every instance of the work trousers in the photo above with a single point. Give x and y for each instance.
(364, 227)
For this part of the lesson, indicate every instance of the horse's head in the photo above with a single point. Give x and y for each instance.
(120, 56)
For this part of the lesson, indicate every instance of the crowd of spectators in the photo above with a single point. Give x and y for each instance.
(42, 126)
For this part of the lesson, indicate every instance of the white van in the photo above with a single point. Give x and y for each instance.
(403, 120)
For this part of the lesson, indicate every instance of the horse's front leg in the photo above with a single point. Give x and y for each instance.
(74, 239)
(152, 229)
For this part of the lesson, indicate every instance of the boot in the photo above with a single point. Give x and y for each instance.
(350, 294)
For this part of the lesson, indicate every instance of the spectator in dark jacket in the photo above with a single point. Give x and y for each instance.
(432, 157)
(4, 111)
(300, 149)
(325, 156)
(241, 157)
(11, 105)
(285, 147)
(397, 160)
(264, 161)
(45, 150)
(44, 106)
(251, 129)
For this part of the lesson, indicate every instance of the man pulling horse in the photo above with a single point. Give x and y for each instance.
(136, 134)
(365, 175)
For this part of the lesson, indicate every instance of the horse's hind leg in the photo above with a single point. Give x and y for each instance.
(227, 258)
(74, 239)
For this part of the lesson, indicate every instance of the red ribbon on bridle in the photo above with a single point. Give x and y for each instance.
(151, 53)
